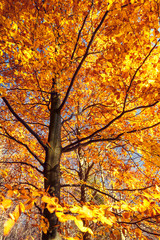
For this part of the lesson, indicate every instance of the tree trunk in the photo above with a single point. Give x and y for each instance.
(52, 165)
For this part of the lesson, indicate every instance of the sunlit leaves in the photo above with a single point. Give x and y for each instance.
(8, 225)
(111, 114)
(78, 213)
(79, 224)
(52, 203)
(14, 216)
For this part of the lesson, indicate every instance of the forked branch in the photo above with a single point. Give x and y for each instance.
(24, 123)
(83, 59)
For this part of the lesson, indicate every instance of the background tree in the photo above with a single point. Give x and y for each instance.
(80, 116)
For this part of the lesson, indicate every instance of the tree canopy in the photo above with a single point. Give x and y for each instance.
(79, 117)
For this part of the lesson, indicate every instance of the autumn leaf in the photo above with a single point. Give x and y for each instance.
(29, 204)
(79, 224)
(64, 217)
(88, 213)
(52, 203)
(79, 117)
(8, 226)
(46, 199)
(13, 218)
(126, 215)
(5, 204)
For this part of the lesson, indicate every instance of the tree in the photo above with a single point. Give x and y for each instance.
(80, 116)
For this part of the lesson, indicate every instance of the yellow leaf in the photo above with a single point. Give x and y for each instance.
(79, 224)
(52, 203)
(156, 196)
(105, 220)
(51, 207)
(6, 203)
(46, 199)
(2, 172)
(75, 209)
(125, 206)
(146, 203)
(8, 225)
(87, 212)
(21, 207)
(17, 213)
(27, 54)
(14, 26)
(64, 217)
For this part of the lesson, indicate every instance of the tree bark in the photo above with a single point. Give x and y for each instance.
(52, 165)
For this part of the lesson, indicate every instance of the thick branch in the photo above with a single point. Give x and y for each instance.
(83, 59)
(24, 123)
(23, 144)
(72, 148)
(86, 54)
(78, 143)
